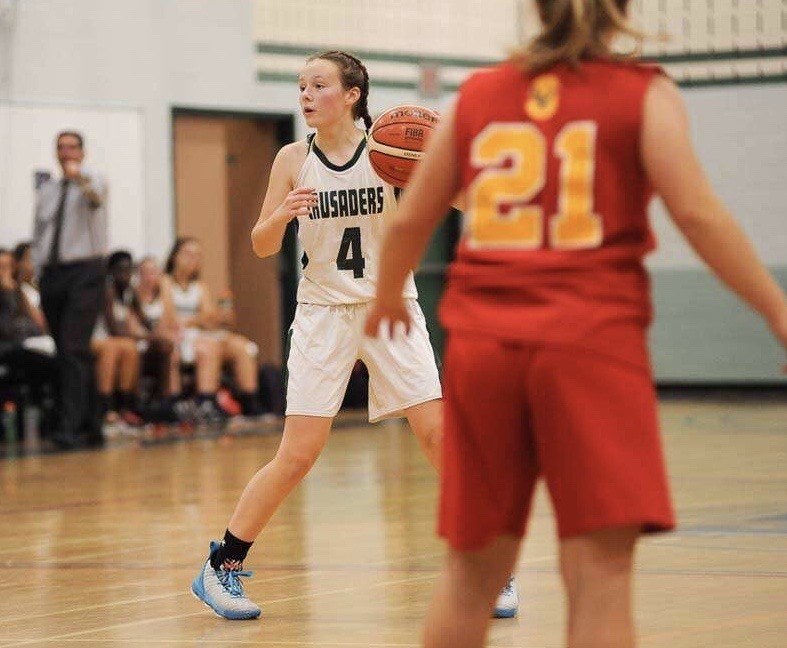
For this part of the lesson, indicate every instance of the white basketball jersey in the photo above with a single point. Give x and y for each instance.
(341, 236)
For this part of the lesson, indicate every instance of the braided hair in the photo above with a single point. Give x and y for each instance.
(353, 75)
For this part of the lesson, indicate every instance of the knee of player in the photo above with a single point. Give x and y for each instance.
(598, 561)
(298, 462)
(612, 565)
(432, 436)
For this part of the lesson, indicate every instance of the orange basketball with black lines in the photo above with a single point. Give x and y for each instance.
(397, 140)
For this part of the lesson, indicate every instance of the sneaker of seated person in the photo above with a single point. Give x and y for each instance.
(131, 418)
(209, 413)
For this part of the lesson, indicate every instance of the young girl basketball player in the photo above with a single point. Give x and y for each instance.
(328, 184)
(547, 307)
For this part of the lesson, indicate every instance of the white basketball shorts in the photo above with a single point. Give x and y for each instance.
(326, 341)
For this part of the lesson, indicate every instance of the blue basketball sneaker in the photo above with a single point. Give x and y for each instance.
(507, 604)
(221, 590)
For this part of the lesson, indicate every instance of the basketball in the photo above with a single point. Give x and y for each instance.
(397, 141)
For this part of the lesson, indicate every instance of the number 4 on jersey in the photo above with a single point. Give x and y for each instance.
(349, 257)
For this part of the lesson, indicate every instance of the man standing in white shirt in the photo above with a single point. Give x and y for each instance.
(70, 243)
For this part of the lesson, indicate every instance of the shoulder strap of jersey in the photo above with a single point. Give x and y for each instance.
(310, 142)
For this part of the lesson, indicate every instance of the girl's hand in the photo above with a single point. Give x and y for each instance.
(299, 202)
(389, 314)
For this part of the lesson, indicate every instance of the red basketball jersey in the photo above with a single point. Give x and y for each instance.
(555, 226)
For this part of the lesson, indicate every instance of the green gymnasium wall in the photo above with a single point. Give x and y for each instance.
(704, 334)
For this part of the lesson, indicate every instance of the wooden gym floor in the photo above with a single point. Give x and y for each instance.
(98, 549)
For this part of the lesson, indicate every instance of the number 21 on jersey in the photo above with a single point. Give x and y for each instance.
(500, 214)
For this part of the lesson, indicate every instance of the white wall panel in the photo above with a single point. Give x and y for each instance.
(465, 28)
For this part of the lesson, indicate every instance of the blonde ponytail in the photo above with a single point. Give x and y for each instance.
(574, 30)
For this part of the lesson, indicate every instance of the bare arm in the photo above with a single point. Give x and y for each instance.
(226, 310)
(134, 326)
(113, 327)
(698, 212)
(208, 315)
(32, 312)
(169, 320)
(429, 194)
(282, 202)
(37, 316)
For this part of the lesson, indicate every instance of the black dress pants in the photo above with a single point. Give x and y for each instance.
(72, 296)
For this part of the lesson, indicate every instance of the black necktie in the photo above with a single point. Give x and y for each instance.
(54, 251)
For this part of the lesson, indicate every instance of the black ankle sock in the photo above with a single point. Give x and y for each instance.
(127, 401)
(201, 398)
(249, 404)
(105, 403)
(231, 550)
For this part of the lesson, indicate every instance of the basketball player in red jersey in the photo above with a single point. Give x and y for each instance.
(547, 306)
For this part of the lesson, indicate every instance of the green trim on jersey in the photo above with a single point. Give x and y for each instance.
(336, 167)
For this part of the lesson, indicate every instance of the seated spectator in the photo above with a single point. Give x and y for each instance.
(204, 340)
(227, 320)
(114, 344)
(162, 357)
(149, 295)
(18, 321)
(25, 275)
(25, 359)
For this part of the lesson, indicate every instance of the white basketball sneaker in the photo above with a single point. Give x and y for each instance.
(221, 590)
(507, 604)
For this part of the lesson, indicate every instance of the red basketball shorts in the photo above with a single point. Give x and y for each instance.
(585, 422)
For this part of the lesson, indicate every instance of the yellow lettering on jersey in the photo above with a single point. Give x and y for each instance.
(498, 214)
(575, 226)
